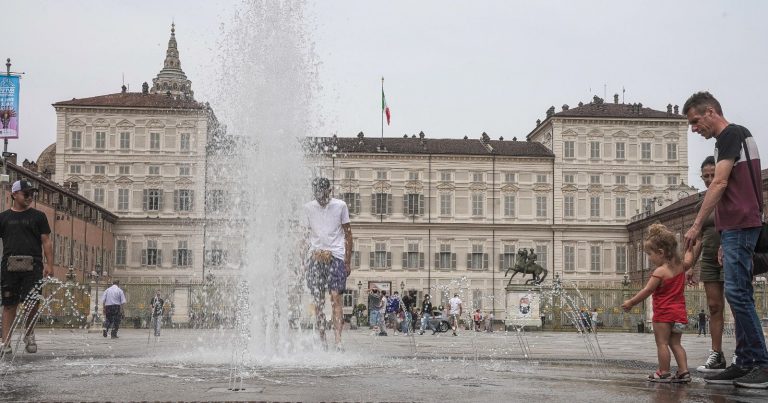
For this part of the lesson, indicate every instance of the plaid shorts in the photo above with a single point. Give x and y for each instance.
(324, 277)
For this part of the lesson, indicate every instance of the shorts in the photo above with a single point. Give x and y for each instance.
(16, 286)
(324, 277)
(711, 272)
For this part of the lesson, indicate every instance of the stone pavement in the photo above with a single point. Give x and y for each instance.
(194, 365)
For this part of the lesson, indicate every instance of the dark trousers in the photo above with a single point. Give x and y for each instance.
(703, 328)
(113, 318)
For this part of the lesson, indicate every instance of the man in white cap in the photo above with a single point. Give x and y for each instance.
(25, 232)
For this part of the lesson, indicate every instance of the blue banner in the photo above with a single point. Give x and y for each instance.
(9, 107)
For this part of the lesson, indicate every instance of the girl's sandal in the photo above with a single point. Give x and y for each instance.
(682, 377)
(660, 378)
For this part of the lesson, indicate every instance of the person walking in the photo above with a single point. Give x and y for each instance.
(593, 319)
(156, 311)
(735, 198)
(426, 315)
(26, 239)
(712, 275)
(382, 313)
(455, 312)
(113, 300)
(703, 328)
(667, 284)
(374, 299)
(329, 254)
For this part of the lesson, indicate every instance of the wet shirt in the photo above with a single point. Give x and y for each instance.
(455, 303)
(324, 223)
(738, 208)
(157, 306)
(21, 231)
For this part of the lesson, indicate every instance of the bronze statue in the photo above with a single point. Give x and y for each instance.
(526, 263)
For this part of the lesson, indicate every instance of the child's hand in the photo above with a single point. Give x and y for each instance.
(626, 306)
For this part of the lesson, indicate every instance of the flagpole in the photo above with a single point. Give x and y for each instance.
(382, 109)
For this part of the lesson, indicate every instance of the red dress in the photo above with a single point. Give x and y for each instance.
(669, 300)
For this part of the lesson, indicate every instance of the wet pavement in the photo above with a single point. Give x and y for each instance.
(194, 365)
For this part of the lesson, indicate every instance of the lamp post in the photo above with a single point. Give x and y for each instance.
(359, 291)
(625, 294)
(96, 275)
(402, 288)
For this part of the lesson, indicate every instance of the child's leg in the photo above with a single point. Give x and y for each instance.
(662, 332)
(677, 349)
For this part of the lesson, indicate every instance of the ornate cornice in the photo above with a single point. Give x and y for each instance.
(509, 188)
(382, 186)
(414, 186)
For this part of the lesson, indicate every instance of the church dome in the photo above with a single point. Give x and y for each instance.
(47, 160)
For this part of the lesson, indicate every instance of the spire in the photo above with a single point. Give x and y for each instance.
(171, 78)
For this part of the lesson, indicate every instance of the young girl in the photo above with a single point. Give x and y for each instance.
(667, 284)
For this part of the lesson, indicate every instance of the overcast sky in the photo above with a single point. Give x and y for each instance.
(452, 68)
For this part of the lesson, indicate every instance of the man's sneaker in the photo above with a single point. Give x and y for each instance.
(756, 379)
(727, 376)
(104, 333)
(31, 345)
(715, 363)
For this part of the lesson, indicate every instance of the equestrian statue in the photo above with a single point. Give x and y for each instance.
(525, 263)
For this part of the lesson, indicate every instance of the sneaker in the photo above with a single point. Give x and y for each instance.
(382, 333)
(114, 336)
(104, 333)
(727, 376)
(31, 344)
(421, 332)
(715, 363)
(454, 333)
(756, 379)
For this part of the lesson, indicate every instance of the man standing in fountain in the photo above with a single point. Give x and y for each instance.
(156, 312)
(329, 255)
(112, 300)
(25, 232)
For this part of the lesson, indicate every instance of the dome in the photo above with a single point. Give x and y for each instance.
(47, 160)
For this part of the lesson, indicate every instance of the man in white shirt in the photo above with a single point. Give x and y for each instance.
(455, 312)
(329, 254)
(112, 300)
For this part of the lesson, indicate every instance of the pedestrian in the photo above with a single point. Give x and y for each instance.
(156, 311)
(735, 198)
(382, 313)
(489, 322)
(26, 238)
(667, 284)
(455, 312)
(112, 300)
(593, 319)
(409, 300)
(426, 315)
(477, 318)
(329, 255)
(374, 299)
(392, 311)
(703, 327)
(711, 273)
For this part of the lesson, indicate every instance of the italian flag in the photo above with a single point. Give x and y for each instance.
(384, 107)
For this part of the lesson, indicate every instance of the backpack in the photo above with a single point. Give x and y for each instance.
(393, 305)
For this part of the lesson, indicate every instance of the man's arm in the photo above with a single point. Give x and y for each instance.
(48, 253)
(711, 198)
(347, 246)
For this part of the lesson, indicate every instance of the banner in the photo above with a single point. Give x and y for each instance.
(9, 107)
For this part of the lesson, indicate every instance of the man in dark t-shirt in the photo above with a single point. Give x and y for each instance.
(156, 310)
(25, 232)
(735, 198)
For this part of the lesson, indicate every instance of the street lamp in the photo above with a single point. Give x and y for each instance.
(402, 286)
(359, 290)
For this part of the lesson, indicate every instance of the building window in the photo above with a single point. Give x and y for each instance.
(646, 180)
(184, 170)
(594, 259)
(445, 176)
(594, 179)
(413, 175)
(125, 140)
(477, 204)
(477, 177)
(216, 256)
(509, 177)
(124, 169)
(99, 170)
(671, 180)
(672, 151)
(568, 178)
(541, 178)
(509, 205)
(153, 170)
(569, 148)
(154, 141)
(542, 257)
(477, 260)
(594, 149)
(215, 200)
(381, 175)
(541, 206)
(380, 255)
(381, 203)
(620, 153)
(621, 259)
(569, 258)
(645, 151)
(75, 168)
(446, 258)
(508, 257)
(184, 142)
(353, 202)
(446, 200)
(98, 195)
(620, 179)
(647, 204)
(349, 174)
(413, 259)
(569, 209)
(101, 140)
(122, 199)
(77, 139)
(182, 256)
(152, 256)
(153, 199)
(121, 252)
(621, 207)
(182, 200)
(413, 204)
(594, 206)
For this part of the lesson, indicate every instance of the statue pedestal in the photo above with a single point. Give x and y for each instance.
(522, 306)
